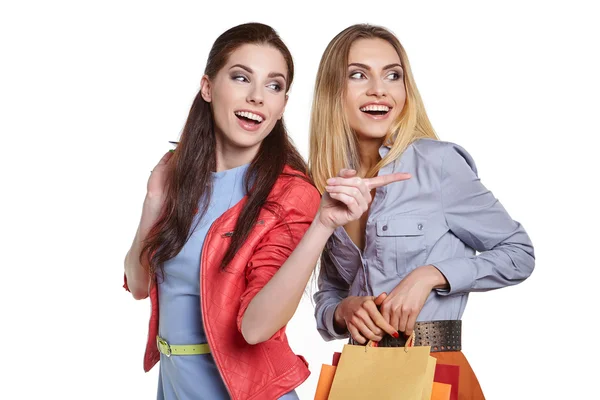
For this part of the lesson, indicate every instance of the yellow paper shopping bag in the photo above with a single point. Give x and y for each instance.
(382, 373)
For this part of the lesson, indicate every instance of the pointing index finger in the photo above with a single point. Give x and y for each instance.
(383, 180)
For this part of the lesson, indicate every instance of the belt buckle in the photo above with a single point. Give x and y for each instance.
(163, 346)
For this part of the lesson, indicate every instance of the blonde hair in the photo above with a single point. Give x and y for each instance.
(333, 144)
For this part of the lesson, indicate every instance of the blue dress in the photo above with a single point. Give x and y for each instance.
(180, 319)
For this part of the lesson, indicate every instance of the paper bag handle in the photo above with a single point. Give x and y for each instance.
(410, 342)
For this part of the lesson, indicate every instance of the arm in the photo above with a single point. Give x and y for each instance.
(137, 279)
(477, 218)
(339, 315)
(279, 270)
(332, 290)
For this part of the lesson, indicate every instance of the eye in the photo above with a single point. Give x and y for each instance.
(357, 75)
(274, 86)
(240, 78)
(394, 76)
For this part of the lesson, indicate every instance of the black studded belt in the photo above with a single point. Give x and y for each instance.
(439, 335)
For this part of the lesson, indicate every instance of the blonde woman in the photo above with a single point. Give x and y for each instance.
(409, 262)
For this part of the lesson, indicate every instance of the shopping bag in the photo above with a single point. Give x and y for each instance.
(381, 373)
(440, 391)
(448, 374)
(326, 378)
(325, 381)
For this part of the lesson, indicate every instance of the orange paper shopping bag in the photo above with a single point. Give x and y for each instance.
(440, 391)
(326, 378)
(325, 381)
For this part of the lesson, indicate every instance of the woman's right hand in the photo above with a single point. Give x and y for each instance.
(361, 317)
(156, 183)
(347, 196)
(137, 275)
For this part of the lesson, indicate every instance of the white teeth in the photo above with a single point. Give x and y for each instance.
(249, 115)
(375, 107)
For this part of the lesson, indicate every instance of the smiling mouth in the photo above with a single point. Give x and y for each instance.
(376, 110)
(249, 118)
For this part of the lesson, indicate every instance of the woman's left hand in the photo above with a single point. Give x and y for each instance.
(403, 304)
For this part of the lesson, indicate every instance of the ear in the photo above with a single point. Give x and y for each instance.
(206, 89)
(284, 104)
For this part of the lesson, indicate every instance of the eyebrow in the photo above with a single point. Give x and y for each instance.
(249, 70)
(365, 66)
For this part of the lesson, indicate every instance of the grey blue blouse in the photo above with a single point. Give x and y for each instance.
(442, 216)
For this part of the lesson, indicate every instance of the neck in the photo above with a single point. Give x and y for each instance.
(229, 156)
(368, 152)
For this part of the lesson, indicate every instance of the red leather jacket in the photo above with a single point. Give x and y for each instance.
(269, 369)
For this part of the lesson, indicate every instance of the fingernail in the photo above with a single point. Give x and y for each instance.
(328, 188)
(375, 344)
(396, 335)
(331, 181)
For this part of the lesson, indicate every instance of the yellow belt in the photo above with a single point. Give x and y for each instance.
(180, 349)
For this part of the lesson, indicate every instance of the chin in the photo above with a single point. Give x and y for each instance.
(372, 134)
(245, 140)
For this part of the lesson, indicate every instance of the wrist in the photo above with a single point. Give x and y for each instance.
(153, 203)
(339, 324)
(319, 226)
(434, 277)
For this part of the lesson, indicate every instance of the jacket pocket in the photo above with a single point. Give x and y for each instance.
(401, 245)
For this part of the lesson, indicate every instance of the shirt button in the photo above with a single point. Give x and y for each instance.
(384, 228)
(420, 227)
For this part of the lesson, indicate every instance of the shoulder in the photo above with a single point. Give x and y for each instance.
(446, 156)
(294, 190)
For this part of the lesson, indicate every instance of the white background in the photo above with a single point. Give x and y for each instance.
(90, 93)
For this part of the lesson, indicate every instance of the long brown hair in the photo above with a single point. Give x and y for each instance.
(333, 144)
(190, 167)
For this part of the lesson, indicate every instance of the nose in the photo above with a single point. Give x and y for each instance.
(255, 96)
(377, 88)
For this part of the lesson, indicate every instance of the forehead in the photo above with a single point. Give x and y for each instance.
(261, 59)
(375, 53)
